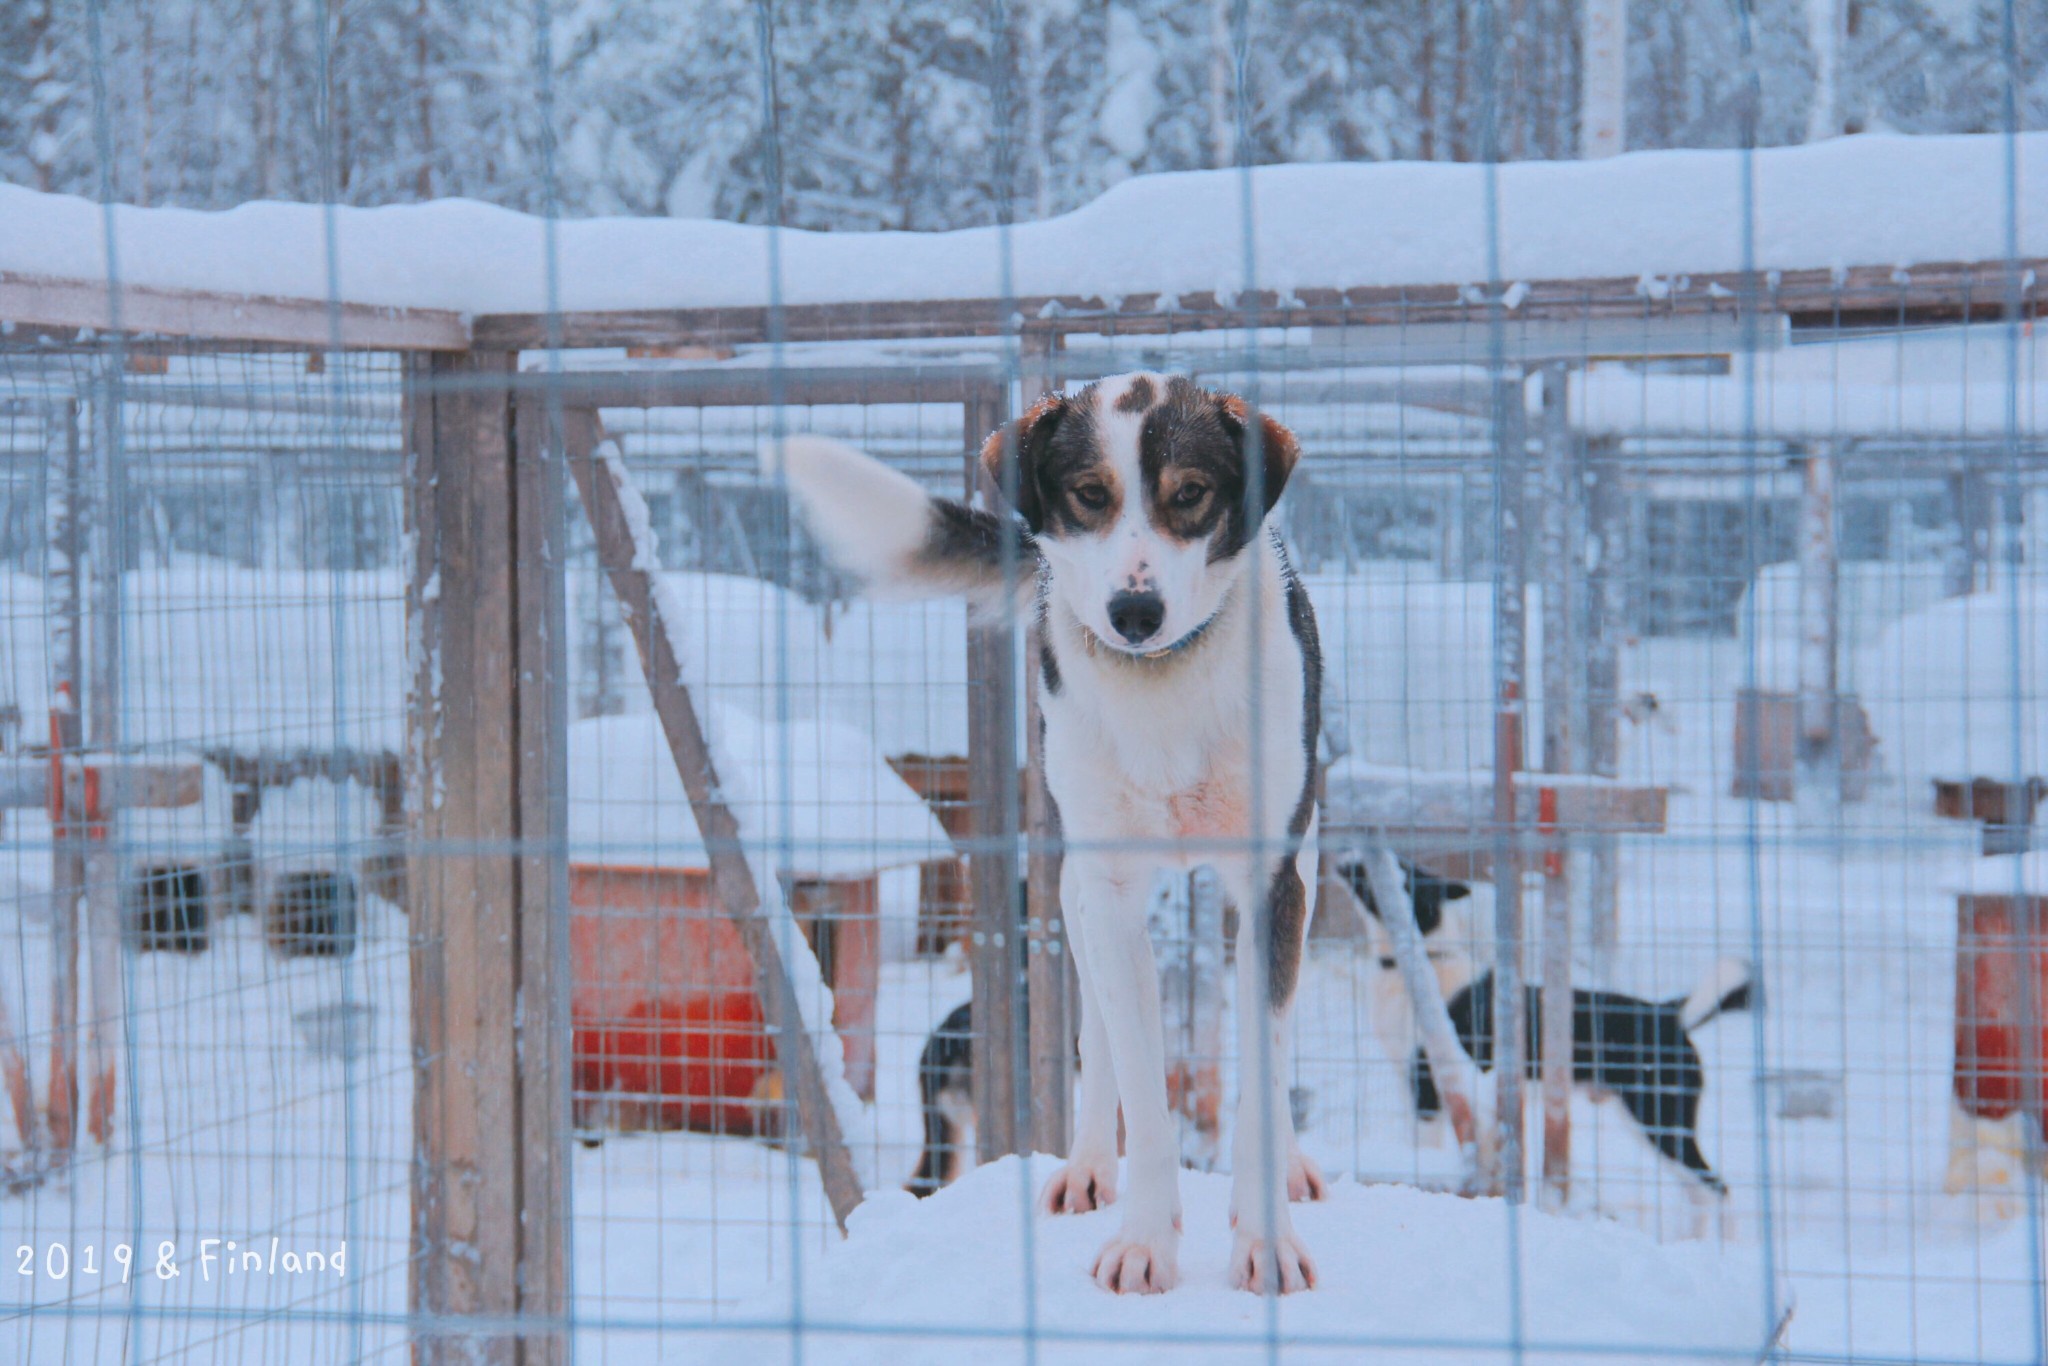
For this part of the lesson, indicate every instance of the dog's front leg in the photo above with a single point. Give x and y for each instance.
(1114, 954)
(1088, 1180)
(1268, 1168)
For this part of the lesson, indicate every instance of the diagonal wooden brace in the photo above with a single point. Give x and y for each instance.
(602, 483)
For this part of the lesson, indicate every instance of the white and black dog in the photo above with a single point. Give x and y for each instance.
(1640, 1052)
(1181, 701)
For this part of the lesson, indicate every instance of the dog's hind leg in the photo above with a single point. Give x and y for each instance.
(1088, 1180)
(1268, 1168)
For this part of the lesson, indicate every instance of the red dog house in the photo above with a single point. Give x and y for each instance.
(2001, 997)
(668, 1026)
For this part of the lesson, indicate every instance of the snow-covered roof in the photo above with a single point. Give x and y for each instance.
(812, 798)
(1872, 200)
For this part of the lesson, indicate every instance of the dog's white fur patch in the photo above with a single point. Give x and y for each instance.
(870, 519)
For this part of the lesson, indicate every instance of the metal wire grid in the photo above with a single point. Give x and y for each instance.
(1852, 902)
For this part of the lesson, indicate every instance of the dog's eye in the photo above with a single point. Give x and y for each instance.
(1189, 494)
(1092, 496)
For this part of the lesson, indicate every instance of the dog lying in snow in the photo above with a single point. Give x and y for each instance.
(1641, 1052)
(1181, 698)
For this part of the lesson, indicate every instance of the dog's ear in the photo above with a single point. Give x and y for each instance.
(1456, 891)
(1261, 435)
(1024, 442)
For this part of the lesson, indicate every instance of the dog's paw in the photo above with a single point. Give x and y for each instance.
(1130, 1265)
(1268, 1265)
(1080, 1186)
(1305, 1180)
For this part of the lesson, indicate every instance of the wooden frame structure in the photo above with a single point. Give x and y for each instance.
(488, 448)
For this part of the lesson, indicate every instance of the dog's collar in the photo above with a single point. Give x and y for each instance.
(1187, 642)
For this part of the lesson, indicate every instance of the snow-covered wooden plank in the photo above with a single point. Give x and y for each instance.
(1668, 223)
(625, 548)
(101, 784)
(1366, 797)
(44, 302)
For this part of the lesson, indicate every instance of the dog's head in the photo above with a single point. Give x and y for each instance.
(1142, 492)
(1428, 891)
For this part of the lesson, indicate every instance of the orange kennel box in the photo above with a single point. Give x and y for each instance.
(2001, 1004)
(668, 1029)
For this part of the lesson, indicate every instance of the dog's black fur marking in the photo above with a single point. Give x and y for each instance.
(946, 1065)
(957, 535)
(1638, 1050)
(1053, 439)
(1287, 899)
(1426, 891)
(1048, 661)
(1136, 397)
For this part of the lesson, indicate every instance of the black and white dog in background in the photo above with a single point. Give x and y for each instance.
(1640, 1052)
(1181, 696)
(945, 1095)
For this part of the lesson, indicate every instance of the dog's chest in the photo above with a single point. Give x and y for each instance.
(1158, 772)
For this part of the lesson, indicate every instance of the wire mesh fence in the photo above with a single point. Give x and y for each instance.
(483, 877)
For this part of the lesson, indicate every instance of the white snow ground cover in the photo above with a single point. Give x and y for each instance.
(1868, 200)
(238, 1125)
(1405, 1276)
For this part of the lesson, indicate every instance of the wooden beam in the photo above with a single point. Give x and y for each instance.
(75, 311)
(1046, 959)
(1510, 666)
(605, 492)
(490, 1216)
(1866, 295)
(755, 386)
(997, 955)
(1377, 797)
(66, 500)
(1557, 565)
(1605, 603)
(101, 784)
(42, 302)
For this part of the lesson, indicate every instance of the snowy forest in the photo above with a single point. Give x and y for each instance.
(926, 114)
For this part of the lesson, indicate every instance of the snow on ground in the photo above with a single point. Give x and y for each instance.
(1868, 200)
(239, 1126)
(1399, 1269)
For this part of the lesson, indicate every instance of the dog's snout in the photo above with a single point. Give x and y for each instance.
(1136, 616)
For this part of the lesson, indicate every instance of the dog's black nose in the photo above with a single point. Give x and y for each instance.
(1136, 616)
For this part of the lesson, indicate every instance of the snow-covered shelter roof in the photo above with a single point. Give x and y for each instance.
(813, 798)
(1873, 200)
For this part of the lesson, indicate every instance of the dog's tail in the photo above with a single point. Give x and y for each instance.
(1730, 985)
(879, 526)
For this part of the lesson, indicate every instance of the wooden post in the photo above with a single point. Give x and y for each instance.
(1606, 560)
(485, 907)
(65, 531)
(996, 954)
(1046, 961)
(1560, 755)
(1820, 769)
(107, 549)
(1049, 969)
(615, 510)
(1510, 641)
(1603, 77)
